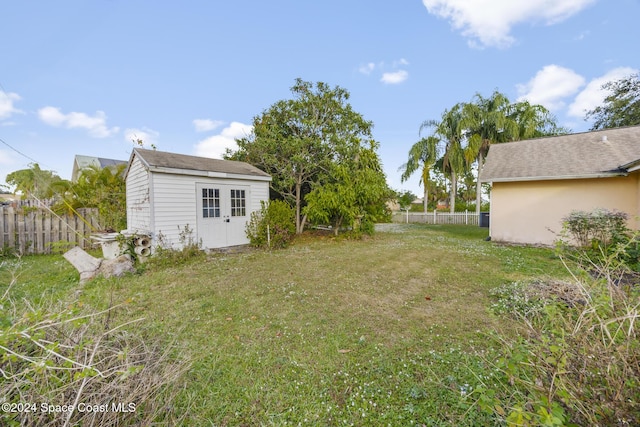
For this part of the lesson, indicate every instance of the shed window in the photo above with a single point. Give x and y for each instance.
(210, 203)
(238, 203)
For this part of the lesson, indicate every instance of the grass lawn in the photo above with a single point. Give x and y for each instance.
(389, 330)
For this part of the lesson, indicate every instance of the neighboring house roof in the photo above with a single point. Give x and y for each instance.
(160, 161)
(596, 154)
(81, 162)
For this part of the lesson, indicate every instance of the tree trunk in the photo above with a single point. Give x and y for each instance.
(425, 183)
(299, 224)
(454, 190)
(478, 186)
(425, 201)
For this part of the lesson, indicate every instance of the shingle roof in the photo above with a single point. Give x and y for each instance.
(582, 155)
(81, 162)
(161, 159)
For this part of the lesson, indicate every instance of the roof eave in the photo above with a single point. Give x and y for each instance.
(555, 178)
(208, 174)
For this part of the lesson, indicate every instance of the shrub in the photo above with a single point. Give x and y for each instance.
(273, 226)
(596, 228)
(599, 235)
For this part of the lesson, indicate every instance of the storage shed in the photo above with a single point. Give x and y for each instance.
(168, 193)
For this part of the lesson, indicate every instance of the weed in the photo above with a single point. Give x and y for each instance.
(65, 365)
(579, 361)
(166, 255)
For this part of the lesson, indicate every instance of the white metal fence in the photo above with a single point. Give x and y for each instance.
(435, 217)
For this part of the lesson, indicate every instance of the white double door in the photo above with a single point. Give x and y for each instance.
(222, 212)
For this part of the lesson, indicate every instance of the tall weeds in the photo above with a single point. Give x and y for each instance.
(578, 359)
(64, 365)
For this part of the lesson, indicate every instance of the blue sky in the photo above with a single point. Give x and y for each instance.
(85, 77)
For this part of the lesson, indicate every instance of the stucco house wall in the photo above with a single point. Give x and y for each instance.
(531, 212)
(536, 183)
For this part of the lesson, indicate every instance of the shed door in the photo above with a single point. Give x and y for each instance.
(222, 214)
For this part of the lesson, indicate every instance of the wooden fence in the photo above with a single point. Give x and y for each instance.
(39, 231)
(435, 217)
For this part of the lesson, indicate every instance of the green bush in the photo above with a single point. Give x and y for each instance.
(273, 226)
(599, 227)
(600, 234)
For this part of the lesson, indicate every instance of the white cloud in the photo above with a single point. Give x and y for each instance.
(593, 95)
(490, 21)
(148, 136)
(550, 86)
(204, 125)
(367, 68)
(7, 109)
(96, 125)
(215, 146)
(395, 77)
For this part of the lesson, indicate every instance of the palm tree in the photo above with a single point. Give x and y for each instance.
(422, 155)
(495, 120)
(446, 139)
(34, 181)
(450, 131)
(534, 121)
(486, 121)
(101, 188)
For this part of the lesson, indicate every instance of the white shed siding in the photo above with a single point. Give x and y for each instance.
(259, 191)
(162, 201)
(174, 205)
(138, 198)
(175, 202)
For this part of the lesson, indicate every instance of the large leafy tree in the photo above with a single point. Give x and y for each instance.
(354, 191)
(34, 181)
(621, 106)
(303, 141)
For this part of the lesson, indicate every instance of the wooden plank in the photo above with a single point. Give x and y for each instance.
(47, 231)
(39, 232)
(21, 232)
(11, 229)
(3, 226)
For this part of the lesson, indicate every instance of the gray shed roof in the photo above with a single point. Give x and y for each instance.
(602, 153)
(170, 162)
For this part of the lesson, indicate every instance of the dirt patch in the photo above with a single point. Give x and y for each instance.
(570, 293)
